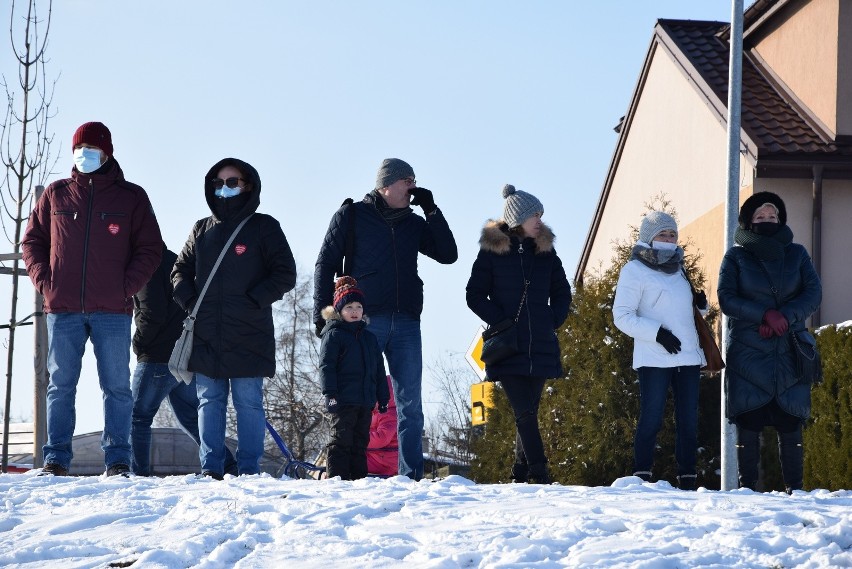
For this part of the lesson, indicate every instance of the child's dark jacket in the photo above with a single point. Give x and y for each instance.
(351, 365)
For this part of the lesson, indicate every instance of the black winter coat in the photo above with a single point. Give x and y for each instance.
(758, 370)
(351, 365)
(234, 334)
(385, 257)
(158, 318)
(495, 289)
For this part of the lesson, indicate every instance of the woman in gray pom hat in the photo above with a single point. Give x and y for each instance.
(653, 305)
(518, 276)
(768, 288)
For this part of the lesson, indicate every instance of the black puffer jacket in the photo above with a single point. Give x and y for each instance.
(385, 257)
(494, 293)
(234, 334)
(351, 365)
(158, 318)
(758, 370)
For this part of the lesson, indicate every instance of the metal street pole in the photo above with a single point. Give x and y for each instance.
(732, 203)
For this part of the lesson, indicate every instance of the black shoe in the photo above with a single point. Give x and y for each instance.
(118, 469)
(644, 475)
(213, 475)
(520, 473)
(538, 474)
(686, 481)
(53, 469)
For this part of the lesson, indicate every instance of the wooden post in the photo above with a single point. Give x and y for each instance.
(41, 376)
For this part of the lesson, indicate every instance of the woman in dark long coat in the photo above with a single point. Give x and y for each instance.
(768, 288)
(234, 343)
(513, 251)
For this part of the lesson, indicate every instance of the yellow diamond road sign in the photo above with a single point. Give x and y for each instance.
(474, 353)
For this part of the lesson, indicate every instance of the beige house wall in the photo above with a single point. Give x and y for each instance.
(844, 70)
(836, 252)
(676, 146)
(803, 52)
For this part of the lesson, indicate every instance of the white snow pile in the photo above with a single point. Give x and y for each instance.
(260, 521)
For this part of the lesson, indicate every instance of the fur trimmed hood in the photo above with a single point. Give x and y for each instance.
(496, 239)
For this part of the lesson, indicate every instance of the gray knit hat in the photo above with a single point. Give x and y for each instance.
(393, 170)
(519, 206)
(653, 223)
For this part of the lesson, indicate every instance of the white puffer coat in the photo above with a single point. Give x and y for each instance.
(646, 299)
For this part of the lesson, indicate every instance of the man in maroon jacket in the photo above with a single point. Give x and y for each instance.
(92, 242)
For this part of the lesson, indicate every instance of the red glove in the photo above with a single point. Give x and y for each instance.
(765, 331)
(776, 321)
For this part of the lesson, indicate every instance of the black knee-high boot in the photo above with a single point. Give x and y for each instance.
(792, 459)
(748, 457)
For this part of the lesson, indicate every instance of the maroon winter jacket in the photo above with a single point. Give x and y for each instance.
(92, 242)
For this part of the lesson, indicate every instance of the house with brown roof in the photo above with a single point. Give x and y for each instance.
(796, 137)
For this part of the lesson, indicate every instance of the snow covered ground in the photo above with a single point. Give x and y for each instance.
(261, 521)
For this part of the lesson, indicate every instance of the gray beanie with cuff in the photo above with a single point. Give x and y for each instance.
(653, 223)
(520, 206)
(392, 170)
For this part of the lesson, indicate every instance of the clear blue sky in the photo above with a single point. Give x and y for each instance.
(472, 94)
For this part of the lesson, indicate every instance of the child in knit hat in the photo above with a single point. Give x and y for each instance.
(352, 373)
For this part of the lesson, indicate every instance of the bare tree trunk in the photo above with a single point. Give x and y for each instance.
(28, 164)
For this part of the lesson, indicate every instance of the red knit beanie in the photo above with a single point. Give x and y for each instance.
(93, 134)
(346, 291)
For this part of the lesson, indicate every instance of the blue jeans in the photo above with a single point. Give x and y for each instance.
(247, 394)
(109, 333)
(399, 338)
(151, 384)
(654, 387)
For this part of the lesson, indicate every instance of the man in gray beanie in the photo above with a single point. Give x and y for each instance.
(381, 238)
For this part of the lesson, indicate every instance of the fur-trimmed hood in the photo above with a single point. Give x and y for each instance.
(496, 239)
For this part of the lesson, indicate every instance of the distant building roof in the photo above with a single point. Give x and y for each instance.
(775, 124)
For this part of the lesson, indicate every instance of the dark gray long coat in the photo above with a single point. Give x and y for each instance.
(758, 370)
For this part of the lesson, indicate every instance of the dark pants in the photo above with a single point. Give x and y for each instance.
(347, 450)
(654, 385)
(790, 449)
(524, 394)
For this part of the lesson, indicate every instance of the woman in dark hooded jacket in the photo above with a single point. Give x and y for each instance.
(234, 343)
(515, 251)
(768, 288)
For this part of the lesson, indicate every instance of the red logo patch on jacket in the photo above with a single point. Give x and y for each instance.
(113, 228)
(239, 248)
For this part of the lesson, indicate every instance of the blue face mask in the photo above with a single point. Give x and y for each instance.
(87, 159)
(226, 192)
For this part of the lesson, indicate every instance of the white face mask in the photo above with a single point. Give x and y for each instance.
(87, 159)
(663, 245)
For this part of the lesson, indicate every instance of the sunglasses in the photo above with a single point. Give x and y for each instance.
(230, 182)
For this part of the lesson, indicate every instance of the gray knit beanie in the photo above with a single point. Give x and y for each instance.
(653, 223)
(519, 206)
(392, 170)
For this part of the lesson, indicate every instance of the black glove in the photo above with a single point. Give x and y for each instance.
(319, 327)
(383, 408)
(331, 404)
(424, 199)
(668, 340)
(699, 299)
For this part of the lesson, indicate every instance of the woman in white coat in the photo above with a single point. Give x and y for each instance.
(653, 305)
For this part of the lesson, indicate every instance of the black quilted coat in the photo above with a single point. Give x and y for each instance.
(234, 335)
(384, 258)
(758, 370)
(495, 289)
(352, 369)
